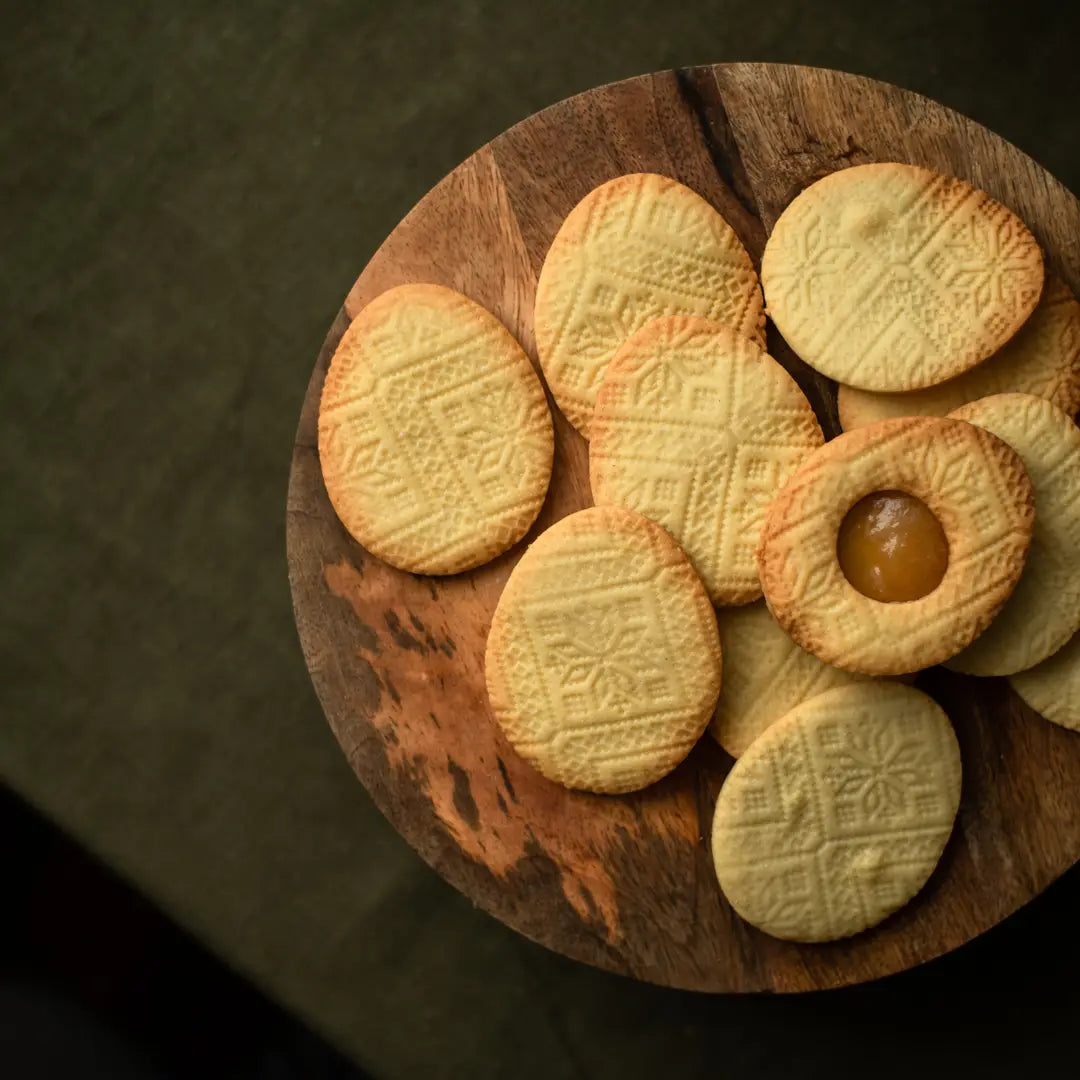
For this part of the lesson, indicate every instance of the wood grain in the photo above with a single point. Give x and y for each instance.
(626, 883)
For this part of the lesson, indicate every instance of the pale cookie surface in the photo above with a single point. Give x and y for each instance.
(603, 661)
(697, 427)
(635, 248)
(1044, 611)
(1043, 359)
(892, 277)
(1053, 687)
(765, 676)
(837, 815)
(435, 437)
(973, 484)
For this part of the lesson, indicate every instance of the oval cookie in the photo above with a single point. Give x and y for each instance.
(1044, 611)
(837, 815)
(1053, 687)
(435, 438)
(603, 661)
(635, 248)
(765, 676)
(892, 277)
(697, 427)
(974, 485)
(1042, 359)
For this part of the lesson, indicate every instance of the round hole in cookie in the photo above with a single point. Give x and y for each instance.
(892, 548)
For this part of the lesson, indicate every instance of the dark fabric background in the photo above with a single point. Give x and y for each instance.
(187, 191)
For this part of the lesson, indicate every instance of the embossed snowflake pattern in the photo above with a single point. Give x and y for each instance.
(599, 652)
(816, 266)
(612, 316)
(671, 376)
(992, 259)
(875, 768)
(484, 432)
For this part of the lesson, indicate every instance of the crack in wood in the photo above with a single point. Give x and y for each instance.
(715, 128)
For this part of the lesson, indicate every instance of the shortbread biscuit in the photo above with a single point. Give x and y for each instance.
(765, 676)
(1044, 611)
(837, 815)
(603, 660)
(891, 277)
(434, 433)
(1053, 687)
(974, 485)
(697, 427)
(1042, 359)
(635, 248)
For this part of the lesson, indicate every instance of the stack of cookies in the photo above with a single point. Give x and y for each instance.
(738, 572)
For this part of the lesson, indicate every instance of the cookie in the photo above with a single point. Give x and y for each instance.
(837, 815)
(603, 660)
(891, 277)
(697, 427)
(1053, 687)
(765, 676)
(973, 484)
(635, 248)
(1044, 611)
(1042, 359)
(435, 437)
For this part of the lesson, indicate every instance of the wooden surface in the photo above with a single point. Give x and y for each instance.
(397, 660)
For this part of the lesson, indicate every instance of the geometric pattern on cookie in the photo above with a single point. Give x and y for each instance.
(1042, 359)
(1044, 611)
(635, 248)
(837, 815)
(891, 277)
(435, 438)
(975, 486)
(1053, 687)
(765, 676)
(603, 659)
(697, 427)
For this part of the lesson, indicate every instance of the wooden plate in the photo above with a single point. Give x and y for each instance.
(626, 883)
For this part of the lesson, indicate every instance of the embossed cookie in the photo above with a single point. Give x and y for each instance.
(435, 437)
(765, 676)
(1042, 359)
(1044, 611)
(635, 248)
(697, 427)
(972, 484)
(1053, 687)
(891, 277)
(603, 661)
(837, 815)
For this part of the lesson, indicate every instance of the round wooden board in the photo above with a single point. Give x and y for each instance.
(626, 883)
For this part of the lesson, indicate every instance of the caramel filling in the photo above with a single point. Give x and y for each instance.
(892, 548)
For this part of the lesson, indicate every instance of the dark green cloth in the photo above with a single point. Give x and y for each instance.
(188, 190)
